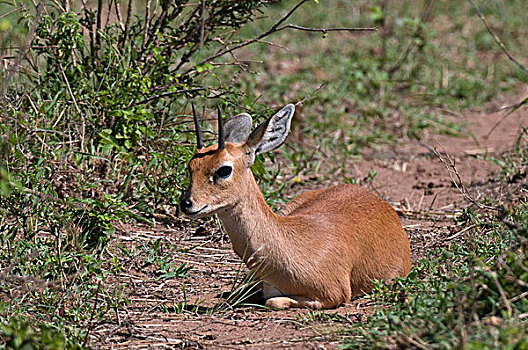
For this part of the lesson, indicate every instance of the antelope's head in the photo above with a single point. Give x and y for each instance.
(220, 174)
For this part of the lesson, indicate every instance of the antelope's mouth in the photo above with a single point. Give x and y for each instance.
(204, 210)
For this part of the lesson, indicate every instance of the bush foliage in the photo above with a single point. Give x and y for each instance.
(94, 130)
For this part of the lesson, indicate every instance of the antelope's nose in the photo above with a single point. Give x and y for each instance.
(185, 205)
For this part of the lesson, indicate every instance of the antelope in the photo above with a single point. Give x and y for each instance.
(321, 249)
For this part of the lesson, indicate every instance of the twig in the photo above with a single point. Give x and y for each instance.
(519, 297)
(275, 28)
(97, 30)
(456, 179)
(453, 214)
(501, 292)
(147, 23)
(108, 11)
(127, 23)
(202, 24)
(310, 96)
(59, 6)
(118, 14)
(83, 124)
(497, 39)
(326, 30)
(165, 94)
(460, 232)
(402, 58)
(10, 12)
(159, 24)
(271, 43)
(515, 105)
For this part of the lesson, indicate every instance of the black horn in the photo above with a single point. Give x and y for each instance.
(221, 143)
(199, 143)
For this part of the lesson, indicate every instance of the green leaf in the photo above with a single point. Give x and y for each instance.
(203, 67)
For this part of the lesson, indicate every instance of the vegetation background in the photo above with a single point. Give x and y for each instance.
(96, 135)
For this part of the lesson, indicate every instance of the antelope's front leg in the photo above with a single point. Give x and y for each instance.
(286, 302)
(274, 298)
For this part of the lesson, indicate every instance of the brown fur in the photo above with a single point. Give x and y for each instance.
(321, 249)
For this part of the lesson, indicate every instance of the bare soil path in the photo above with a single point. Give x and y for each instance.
(188, 312)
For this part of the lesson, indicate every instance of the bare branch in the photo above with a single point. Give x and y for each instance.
(165, 94)
(288, 14)
(98, 29)
(275, 28)
(118, 14)
(147, 23)
(326, 30)
(202, 25)
(12, 11)
(127, 23)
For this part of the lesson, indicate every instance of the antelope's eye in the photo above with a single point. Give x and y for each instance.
(223, 172)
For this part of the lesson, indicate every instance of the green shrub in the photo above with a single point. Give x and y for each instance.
(94, 131)
(470, 295)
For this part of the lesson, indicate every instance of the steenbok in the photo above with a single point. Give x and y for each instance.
(320, 249)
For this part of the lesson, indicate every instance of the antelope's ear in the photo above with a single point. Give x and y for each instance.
(272, 133)
(237, 128)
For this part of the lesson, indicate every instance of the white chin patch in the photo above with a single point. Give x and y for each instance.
(204, 211)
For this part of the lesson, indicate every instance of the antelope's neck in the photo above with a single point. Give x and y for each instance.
(251, 224)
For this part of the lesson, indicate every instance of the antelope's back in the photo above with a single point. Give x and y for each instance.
(362, 225)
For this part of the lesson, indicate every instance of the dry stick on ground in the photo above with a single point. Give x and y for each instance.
(449, 164)
(427, 213)
(275, 28)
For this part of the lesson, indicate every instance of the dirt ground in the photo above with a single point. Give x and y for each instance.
(189, 313)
